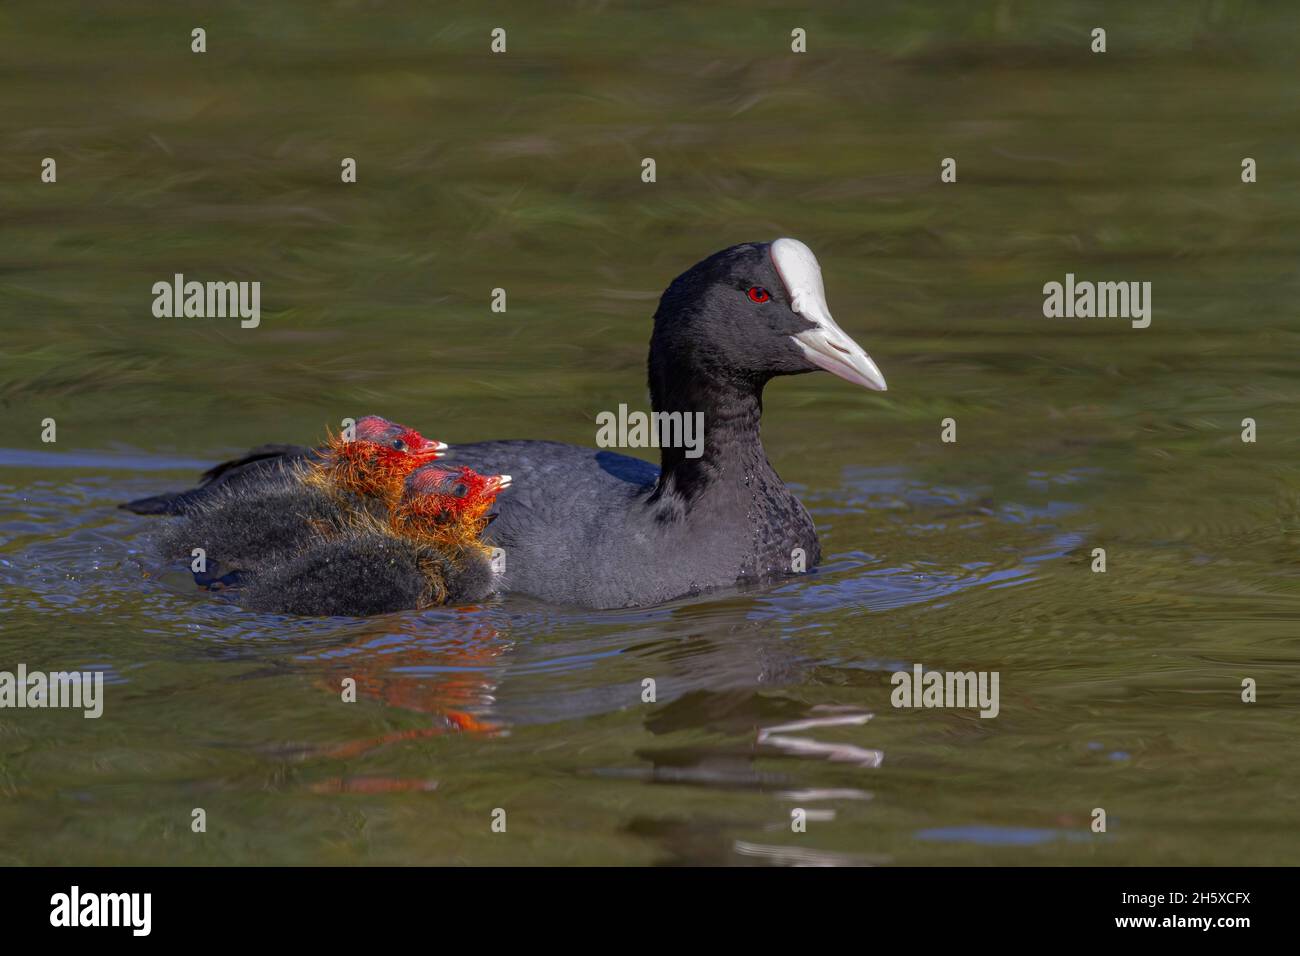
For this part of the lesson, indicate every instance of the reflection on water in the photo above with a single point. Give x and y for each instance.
(781, 737)
(1002, 836)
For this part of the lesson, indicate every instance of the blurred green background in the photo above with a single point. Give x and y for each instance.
(522, 171)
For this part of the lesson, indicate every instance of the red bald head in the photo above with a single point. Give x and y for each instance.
(377, 458)
(396, 439)
(435, 489)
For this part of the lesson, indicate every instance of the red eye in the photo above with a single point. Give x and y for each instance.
(757, 294)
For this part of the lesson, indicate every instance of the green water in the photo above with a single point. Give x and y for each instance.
(1119, 690)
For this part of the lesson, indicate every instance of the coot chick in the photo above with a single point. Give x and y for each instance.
(242, 522)
(427, 552)
(357, 462)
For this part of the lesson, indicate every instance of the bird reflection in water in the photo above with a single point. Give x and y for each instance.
(447, 674)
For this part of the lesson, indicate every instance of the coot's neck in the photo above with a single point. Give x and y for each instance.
(731, 453)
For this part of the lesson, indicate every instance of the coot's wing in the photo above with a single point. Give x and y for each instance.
(259, 464)
(227, 469)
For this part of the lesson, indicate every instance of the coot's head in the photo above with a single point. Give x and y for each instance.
(391, 442)
(448, 503)
(377, 458)
(746, 314)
